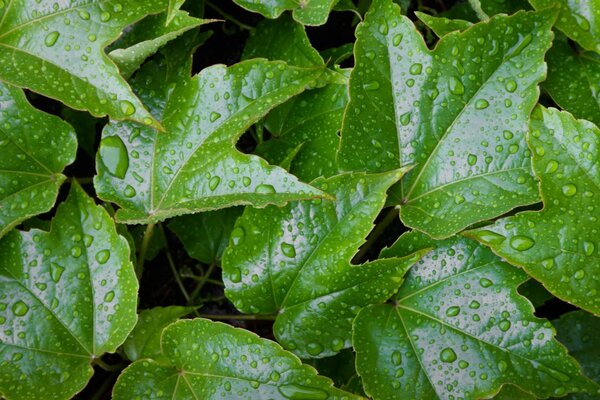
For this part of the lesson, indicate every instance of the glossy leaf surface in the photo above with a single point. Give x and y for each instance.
(205, 235)
(458, 113)
(144, 340)
(442, 26)
(307, 12)
(574, 80)
(295, 261)
(578, 331)
(67, 296)
(194, 166)
(559, 246)
(579, 20)
(210, 360)
(459, 329)
(57, 49)
(34, 149)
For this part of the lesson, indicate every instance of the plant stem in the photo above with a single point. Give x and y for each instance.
(203, 280)
(105, 386)
(143, 250)
(174, 270)
(251, 317)
(81, 181)
(228, 16)
(476, 6)
(108, 367)
(390, 217)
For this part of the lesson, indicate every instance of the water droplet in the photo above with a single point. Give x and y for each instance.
(314, 348)
(511, 86)
(214, 116)
(51, 38)
(76, 251)
(474, 305)
(396, 358)
(397, 39)
(521, 243)
(459, 199)
(579, 275)
(569, 190)
(548, 263)
(405, 118)
(583, 23)
(472, 159)
(453, 311)
(275, 376)
(551, 167)
(129, 191)
(374, 85)
(56, 271)
(102, 256)
(490, 237)
(108, 297)
(588, 248)
(416, 69)
(246, 181)
(481, 104)
(485, 282)
(127, 107)
(235, 276)
(20, 308)
(84, 15)
(448, 355)
(114, 156)
(298, 392)
(105, 16)
(288, 250)
(214, 182)
(265, 189)
(456, 86)
(504, 325)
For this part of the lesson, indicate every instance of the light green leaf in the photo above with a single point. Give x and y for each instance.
(173, 9)
(579, 20)
(458, 113)
(307, 12)
(459, 329)
(144, 340)
(63, 56)
(67, 297)
(282, 39)
(578, 331)
(205, 235)
(559, 245)
(442, 26)
(194, 166)
(574, 80)
(147, 36)
(35, 147)
(210, 360)
(510, 392)
(295, 261)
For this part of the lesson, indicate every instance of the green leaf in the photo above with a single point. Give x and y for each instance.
(574, 80)
(535, 292)
(205, 235)
(67, 297)
(282, 39)
(295, 261)
(459, 329)
(147, 36)
(194, 166)
(578, 331)
(579, 20)
(210, 360)
(63, 56)
(510, 392)
(458, 113)
(307, 12)
(559, 245)
(173, 10)
(35, 148)
(442, 26)
(144, 340)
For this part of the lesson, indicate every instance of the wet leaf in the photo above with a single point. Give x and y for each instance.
(210, 360)
(459, 113)
(307, 12)
(559, 245)
(579, 20)
(35, 148)
(459, 329)
(194, 166)
(295, 262)
(63, 56)
(67, 296)
(442, 26)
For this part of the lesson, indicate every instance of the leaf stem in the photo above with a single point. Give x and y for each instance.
(203, 280)
(390, 217)
(476, 6)
(228, 16)
(143, 250)
(174, 270)
(251, 317)
(108, 367)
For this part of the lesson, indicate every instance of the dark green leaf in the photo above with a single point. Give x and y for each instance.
(442, 26)
(307, 12)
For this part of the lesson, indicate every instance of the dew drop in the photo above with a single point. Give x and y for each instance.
(214, 116)
(246, 181)
(129, 191)
(588, 248)
(485, 282)
(51, 38)
(453, 311)
(56, 271)
(20, 308)
(299, 392)
(102, 256)
(448, 355)
(237, 235)
(504, 325)
(288, 250)
(265, 189)
(569, 190)
(108, 297)
(472, 159)
(314, 348)
(456, 86)
(374, 85)
(114, 156)
(459, 199)
(548, 263)
(127, 107)
(511, 86)
(481, 104)
(416, 69)
(405, 118)
(397, 39)
(579, 275)
(490, 237)
(214, 182)
(521, 243)
(551, 167)
(396, 358)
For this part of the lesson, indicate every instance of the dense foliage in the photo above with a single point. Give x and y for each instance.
(379, 199)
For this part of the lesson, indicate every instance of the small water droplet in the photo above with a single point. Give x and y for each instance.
(569, 190)
(214, 182)
(102, 256)
(51, 38)
(214, 116)
(405, 118)
(56, 271)
(588, 248)
(129, 191)
(127, 107)
(314, 348)
(20, 308)
(511, 86)
(551, 167)
(481, 104)
(448, 355)
(265, 189)
(485, 282)
(374, 85)
(504, 325)
(579, 275)
(472, 159)
(453, 311)
(397, 39)
(396, 358)
(456, 86)
(288, 250)
(459, 199)
(108, 297)
(416, 69)
(521, 243)
(84, 15)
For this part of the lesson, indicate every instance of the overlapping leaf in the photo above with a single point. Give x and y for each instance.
(194, 166)
(35, 147)
(458, 113)
(295, 261)
(66, 297)
(63, 54)
(574, 80)
(459, 329)
(579, 20)
(559, 246)
(307, 12)
(442, 26)
(209, 360)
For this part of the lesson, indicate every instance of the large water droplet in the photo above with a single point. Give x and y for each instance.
(490, 237)
(108, 297)
(113, 154)
(288, 249)
(448, 355)
(314, 348)
(298, 392)
(214, 116)
(481, 104)
(521, 243)
(51, 38)
(511, 86)
(456, 86)
(265, 189)
(102, 256)
(472, 159)
(20, 308)
(56, 271)
(127, 107)
(396, 358)
(214, 182)
(453, 311)
(569, 190)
